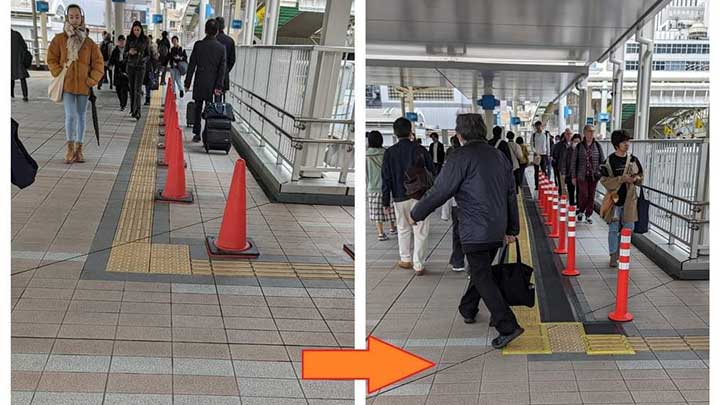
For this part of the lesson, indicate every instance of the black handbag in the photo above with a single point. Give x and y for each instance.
(27, 59)
(513, 280)
(643, 210)
(23, 166)
(418, 180)
(219, 109)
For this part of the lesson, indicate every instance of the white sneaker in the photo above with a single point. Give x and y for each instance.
(458, 269)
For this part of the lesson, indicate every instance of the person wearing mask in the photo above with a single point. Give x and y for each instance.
(560, 150)
(585, 172)
(85, 69)
(229, 45)
(178, 65)
(106, 48)
(520, 176)
(518, 158)
(621, 174)
(373, 167)
(571, 189)
(208, 60)
(437, 151)
(481, 179)
(136, 51)
(18, 67)
(118, 63)
(163, 46)
(404, 155)
(457, 257)
(152, 65)
(540, 144)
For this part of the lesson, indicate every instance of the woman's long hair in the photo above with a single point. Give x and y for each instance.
(142, 36)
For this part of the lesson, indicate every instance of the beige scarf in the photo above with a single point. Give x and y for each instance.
(76, 37)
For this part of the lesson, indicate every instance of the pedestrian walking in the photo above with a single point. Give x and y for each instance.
(403, 160)
(178, 63)
(373, 167)
(520, 174)
(480, 177)
(571, 189)
(74, 50)
(585, 172)
(519, 158)
(621, 175)
(152, 64)
(208, 61)
(540, 143)
(118, 62)
(106, 49)
(135, 54)
(560, 150)
(163, 46)
(457, 256)
(229, 45)
(20, 61)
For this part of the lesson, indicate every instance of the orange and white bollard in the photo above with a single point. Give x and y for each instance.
(555, 225)
(621, 313)
(541, 194)
(562, 245)
(570, 269)
(549, 205)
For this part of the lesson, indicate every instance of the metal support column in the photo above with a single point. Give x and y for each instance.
(618, 61)
(642, 106)
(474, 100)
(36, 44)
(201, 20)
(44, 34)
(603, 109)
(270, 24)
(108, 16)
(156, 27)
(119, 19)
(582, 104)
(248, 33)
(488, 115)
(237, 15)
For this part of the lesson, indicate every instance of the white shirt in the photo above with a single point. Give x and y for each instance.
(434, 147)
(539, 143)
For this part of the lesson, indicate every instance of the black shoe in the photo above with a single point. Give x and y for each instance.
(147, 102)
(503, 340)
(25, 99)
(196, 138)
(122, 108)
(469, 320)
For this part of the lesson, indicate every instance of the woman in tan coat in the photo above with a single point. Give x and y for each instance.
(622, 177)
(85, 68)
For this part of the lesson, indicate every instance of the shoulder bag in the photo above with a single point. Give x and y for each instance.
(513, 279)
(55, 90)
(418, 180)
(611, 197)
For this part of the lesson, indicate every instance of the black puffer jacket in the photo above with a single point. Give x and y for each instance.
(140, 44)
(481, 180)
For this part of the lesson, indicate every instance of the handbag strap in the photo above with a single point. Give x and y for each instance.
(628, 159)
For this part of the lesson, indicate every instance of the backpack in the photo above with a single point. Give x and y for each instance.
(104, 50)
(164, 50)
(418, 180)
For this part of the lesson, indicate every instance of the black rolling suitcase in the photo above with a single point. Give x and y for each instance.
(190, 114)
(217, 134)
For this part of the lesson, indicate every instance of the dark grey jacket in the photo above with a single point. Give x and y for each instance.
(17, 47)
(480, 178)
(577, 161)
(229, 45)
(207, 64)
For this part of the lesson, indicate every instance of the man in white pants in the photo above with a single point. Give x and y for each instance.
(397, 160)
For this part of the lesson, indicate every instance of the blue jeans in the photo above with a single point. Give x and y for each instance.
(614, 229)
(176, 78)
(75, 107)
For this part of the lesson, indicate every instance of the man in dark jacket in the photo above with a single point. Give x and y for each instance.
(229, 45)
(396, 161)
(208, 59)
(560, 150)
(481, 180)
(437, 152)
(18, 51)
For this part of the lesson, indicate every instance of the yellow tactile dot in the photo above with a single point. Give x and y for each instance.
(566, 337)
(533, 341)
(607, 345)
(170, 259)
(130, 257)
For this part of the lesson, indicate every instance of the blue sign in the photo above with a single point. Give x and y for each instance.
(515, 121)
(411, 116)
(118, 1)
(603, 117)
(590, 121)
(567, 111)
(488, 102)
(236, 24)
(157, 18)
(42, 6)
(209, 11)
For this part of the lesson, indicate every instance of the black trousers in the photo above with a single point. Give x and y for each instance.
(136, 76)
(437, 167)
(457, 257)
(556, 174)
(519, 177)
(122, 93)
(23, 85)
(572, 191)
(107, 77)
(482, 286)
(197, 124)
(541, 167)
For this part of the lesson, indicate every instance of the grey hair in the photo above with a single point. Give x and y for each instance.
(471, 126)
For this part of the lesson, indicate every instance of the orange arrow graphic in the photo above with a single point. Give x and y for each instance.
(381, 364)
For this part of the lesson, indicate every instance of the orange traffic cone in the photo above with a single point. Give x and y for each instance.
(174, 190)
(232, 241)
(169, 144)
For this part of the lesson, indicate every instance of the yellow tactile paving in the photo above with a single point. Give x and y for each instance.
(201, 267)
(170, 259)
(607, 345)
(130, 258)
(698, 342)
(669, 343)
(566, 337)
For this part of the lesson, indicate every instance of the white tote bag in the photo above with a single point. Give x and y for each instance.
(55, 90)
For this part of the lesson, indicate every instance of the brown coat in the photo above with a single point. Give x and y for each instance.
(82, 74)
(613, 183)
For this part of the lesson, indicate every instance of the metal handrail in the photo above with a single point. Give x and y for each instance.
(264, 101)
(690, 202)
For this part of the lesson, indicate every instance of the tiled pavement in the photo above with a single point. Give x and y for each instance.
(80, 339)
(420, 314)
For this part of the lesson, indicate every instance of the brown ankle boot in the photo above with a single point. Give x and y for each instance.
(79, 158)
(70, 154)
(613, 260)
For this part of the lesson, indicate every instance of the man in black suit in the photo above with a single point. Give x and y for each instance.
(229, 50)
(208, 59)
(437, 151)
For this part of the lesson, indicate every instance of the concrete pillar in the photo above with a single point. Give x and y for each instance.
(488, 115)
(36, 43)
(157, 28)
(108, 16)
(642, 105)
(237, 15)
(582, 105)
(562, 124)
(201, 20)
(119, 19)
(249, 24)
(603, 109)
(335, 22)
(43, 32)
(474, 100)
(270, 24)
(618, 61)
